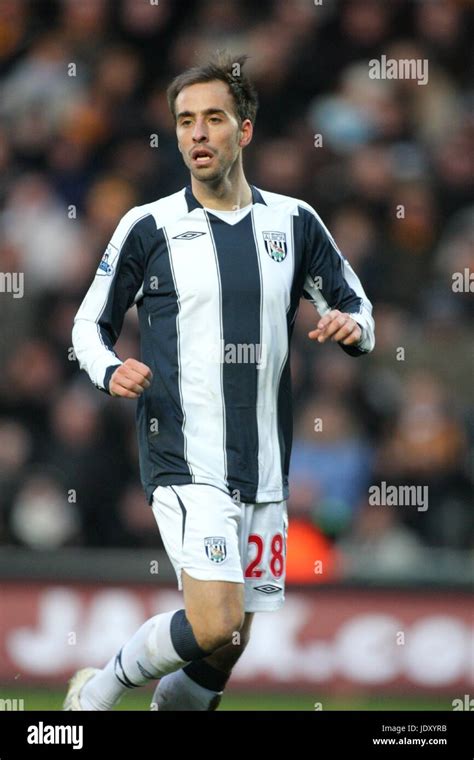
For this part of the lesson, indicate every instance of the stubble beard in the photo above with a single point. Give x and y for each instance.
(214, 176)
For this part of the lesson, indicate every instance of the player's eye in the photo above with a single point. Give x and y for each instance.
(185, 122)
(215, 119)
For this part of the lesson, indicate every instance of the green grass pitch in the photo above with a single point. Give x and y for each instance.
(52, 699)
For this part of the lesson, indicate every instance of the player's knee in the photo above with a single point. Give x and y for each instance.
(217, 630)
(243, 638)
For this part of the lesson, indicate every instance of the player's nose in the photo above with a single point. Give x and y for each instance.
(200, 131)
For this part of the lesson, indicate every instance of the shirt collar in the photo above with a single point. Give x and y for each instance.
(193, 203)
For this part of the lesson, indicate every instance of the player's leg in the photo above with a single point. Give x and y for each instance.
(215, 610)
(262, 537)
(200, 685)
(226, 657)
(199, 537)
(168, 641)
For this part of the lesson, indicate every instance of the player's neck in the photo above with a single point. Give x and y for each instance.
(227, 195)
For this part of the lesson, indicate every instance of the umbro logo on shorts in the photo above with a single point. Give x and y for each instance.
(188, 235)
(268, 588)
(215, 548)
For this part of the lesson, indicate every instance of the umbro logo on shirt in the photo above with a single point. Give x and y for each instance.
(188, 235)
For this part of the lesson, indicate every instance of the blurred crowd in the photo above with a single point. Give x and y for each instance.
(85, 134)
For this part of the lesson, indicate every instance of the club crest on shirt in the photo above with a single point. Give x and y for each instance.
(215, 548)
(275, 244)
(106, 266)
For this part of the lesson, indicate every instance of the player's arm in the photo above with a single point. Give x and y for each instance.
(99, 320)
(337, 326)
(130, 379)
(336, 292)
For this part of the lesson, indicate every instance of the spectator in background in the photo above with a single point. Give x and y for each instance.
(311, 556)
(42, 517)
(427, 447)
(379, 545)
(15, 453)
(327, 444)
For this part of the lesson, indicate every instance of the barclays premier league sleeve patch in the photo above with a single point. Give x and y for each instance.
(107, 263)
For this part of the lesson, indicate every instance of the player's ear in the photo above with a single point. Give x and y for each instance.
(246, 133)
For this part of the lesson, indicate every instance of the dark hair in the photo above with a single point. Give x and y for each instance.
(228, 69)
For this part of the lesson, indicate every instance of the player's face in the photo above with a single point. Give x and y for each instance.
(210, 137)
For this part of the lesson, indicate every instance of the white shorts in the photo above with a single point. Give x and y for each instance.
(215, 538)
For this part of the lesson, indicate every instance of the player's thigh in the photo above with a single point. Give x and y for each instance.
(215, 607)
(199, 525)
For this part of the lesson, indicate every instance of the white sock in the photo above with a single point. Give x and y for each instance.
(147, 655)
(177, 691)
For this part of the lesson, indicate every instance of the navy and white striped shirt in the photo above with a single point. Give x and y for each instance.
(217, 295)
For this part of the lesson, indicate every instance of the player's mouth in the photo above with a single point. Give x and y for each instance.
(202, 156)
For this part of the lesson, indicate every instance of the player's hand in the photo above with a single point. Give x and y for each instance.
(130, 379)
(339, 327)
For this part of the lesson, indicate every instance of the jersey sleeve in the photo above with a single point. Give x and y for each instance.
(115, 287)
(331, 283)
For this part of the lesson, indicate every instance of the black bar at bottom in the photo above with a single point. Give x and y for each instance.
(291, 735)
